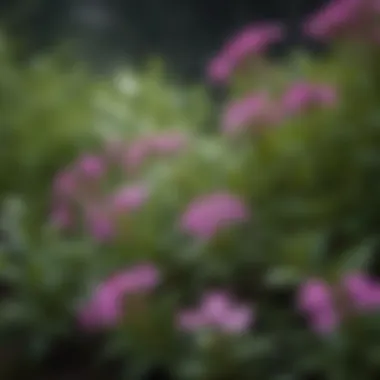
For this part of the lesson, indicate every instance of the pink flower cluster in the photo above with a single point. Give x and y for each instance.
(253, 40)
(219, 312)
(302, 96)
(98, 211)
(109, 302)
(259, 111)
(340, 18)
(88, 167)
(71, 184)
(317, 299)
(153, 145)
(81, 191)
(101, 216)
(209, 214)
(256, 109)
(345, 18)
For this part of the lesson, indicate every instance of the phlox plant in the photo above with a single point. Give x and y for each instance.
(249, 254)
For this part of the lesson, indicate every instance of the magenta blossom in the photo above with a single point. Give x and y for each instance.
(363, 291)
(168, 143)
(251, 41)
(206, 215)
(342, 18)
(219, 69)
(254, 110)
(217, 311)
(130, 198)
(302, 96)
(160, 144)
(316, 300)
(68, 183)
(314, 294)
(91, 166)
(108, 303)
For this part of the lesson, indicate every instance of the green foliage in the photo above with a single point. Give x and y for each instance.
(149, 102)
(51, 111)
(46, 119)
(317, 177)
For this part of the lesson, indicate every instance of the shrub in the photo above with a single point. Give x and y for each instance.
(247, 254)
(53, 109)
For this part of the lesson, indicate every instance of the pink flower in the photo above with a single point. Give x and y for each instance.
(251, 41)
(158, 144)
(205, 216)
(314, 294)
(138, 279)
(130, 198)
(168, 143)
(68, 183)
(219, 69)
(315, 299)
(107, 305)
(301, 96)
(363, 291)
(104, 309)
(256, 109)
(91, 166)
(217, 311)
(254, 39)
(341, 17)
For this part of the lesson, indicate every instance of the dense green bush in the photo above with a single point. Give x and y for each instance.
(248, 254)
